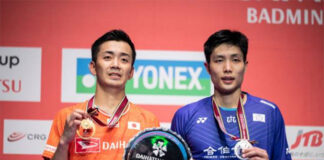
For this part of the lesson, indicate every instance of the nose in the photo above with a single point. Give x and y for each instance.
(115, 63)
(228, 67)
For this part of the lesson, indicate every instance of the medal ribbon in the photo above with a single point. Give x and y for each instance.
(93, 112)
(240, 114)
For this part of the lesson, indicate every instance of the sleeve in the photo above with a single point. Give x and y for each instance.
(154, 122)
(150, 120)
(54, 135)
(280, 149)
(178, 123)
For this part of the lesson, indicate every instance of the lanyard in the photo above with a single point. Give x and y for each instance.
(93, 112)
(240, 114)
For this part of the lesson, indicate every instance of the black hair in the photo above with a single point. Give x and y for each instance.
(226, 36)
(113, 35)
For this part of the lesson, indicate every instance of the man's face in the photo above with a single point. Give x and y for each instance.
(226, 68)
(114, 64)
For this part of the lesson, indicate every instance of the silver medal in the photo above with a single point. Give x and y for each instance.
(239, 146)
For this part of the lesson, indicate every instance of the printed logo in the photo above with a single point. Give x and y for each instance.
(306, 142)
(201, 120)
(15, 83)
(287, 151)
(310, 16)
(85, 81)
(231, 119)
(210, 151)
(9, 61)
(134, 125)
(160, 77)
(159, 146)
(224, 150)
(113, 145)
(159, 149)
(25, 136)
(15, 136)
(258, 117)
(77, 85)
(86, 146)
(311, 138)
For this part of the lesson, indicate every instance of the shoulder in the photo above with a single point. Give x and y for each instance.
(139, 111)
(261, 102)
(194, 107)
(261, 105)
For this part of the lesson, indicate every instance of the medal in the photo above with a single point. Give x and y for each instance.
(239, 146)
(113, 120)
(87, 129)
(243, 140)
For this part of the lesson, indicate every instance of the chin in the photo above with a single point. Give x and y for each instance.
(226, 91)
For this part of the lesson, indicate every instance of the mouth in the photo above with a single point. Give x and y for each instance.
(114, 75)
(227, 79)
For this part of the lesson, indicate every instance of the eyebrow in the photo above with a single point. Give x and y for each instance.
(237, 55)
(125, 54)
(232, 55)
(122, 53)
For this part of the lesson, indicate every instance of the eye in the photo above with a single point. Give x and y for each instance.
(126, 60)
(237, 60)
(107, 57)
(218, 60)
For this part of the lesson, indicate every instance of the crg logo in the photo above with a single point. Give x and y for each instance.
(311, 138)
(16, 136)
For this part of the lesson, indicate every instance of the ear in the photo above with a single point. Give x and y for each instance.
(92, 68)
(245, 65)
(207, 67)
(131, 73)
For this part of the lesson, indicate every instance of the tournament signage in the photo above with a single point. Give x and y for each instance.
(168, 77)
(157, 144)
(160, 77)
(20, 74)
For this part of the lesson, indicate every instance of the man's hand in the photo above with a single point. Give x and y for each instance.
(255, 153)
(72, 123)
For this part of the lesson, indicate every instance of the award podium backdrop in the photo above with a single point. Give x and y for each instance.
(45, 51)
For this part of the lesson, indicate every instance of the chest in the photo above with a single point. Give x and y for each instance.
(206, 139)
(107, 143)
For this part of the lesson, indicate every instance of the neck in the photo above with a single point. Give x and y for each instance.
(108, 100)
(228, 100)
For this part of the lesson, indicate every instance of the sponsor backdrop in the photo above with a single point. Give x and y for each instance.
(45, 51)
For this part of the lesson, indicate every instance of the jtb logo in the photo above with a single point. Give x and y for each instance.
(314, 136)
(85, 81)
(160, 77)
(9, 60)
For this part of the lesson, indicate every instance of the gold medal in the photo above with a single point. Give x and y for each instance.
(87, 129)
